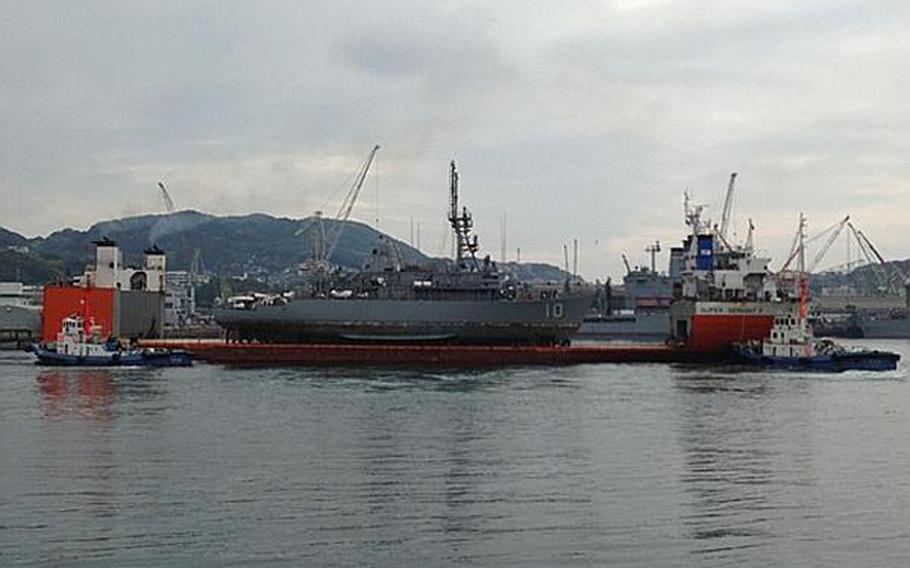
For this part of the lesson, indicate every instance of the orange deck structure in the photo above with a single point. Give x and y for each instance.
(312, 354)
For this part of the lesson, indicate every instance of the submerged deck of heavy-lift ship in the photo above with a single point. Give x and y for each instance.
(427, 354)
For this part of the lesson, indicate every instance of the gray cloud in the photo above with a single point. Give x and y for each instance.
(581, 119)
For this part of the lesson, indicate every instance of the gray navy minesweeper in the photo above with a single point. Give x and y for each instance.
(468, 302)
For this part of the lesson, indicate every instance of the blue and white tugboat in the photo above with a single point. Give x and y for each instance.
(791, 344)
(79, 345)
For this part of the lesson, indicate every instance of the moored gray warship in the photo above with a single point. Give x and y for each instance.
(468, 301)
(20, 319)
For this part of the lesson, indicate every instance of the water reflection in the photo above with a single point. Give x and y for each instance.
(87, 392)
(401, 381)
(460, 475)
(79, 446)
(719, 380)
(735, 459)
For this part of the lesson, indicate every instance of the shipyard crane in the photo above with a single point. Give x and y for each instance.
(749, 246)
(168, 202)
(196, 266)
(880, 266)
(728, 209)
(316, 239)
(344, 212)
(332, 237)
(832, 232)
(826, 246)
(867, 251)
(625, 261)
(888, 275)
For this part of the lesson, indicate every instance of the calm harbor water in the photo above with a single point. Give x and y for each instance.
(645, 465)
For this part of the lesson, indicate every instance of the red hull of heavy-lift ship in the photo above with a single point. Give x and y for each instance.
(717, 332)
(713, 327)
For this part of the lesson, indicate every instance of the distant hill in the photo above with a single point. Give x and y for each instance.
(233, 245)
(229, 245)
(11, 239)
(27, 267)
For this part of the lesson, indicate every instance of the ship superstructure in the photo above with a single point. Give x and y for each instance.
(726, 293)
(465, 300)
(640, 312)
(126, 301)
(20, 317)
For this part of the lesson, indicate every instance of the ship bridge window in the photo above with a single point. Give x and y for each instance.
(138, 281)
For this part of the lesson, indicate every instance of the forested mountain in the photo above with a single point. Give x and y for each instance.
(230, 246)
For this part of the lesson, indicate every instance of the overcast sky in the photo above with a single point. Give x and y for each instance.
(578, 119)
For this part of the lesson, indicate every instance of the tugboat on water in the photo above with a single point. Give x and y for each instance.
(81, 344)
(791, 344)
(468, 301)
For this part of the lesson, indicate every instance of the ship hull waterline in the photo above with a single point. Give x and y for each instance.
(168, 358)
(408, 321)
(829, 363)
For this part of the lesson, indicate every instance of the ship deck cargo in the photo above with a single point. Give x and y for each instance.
(315, 354)
(468, 300)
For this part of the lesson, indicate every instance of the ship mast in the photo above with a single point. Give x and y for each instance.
(653, 250)
(693, 214)
(462, 223)
(802, 282)
(453, 209)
